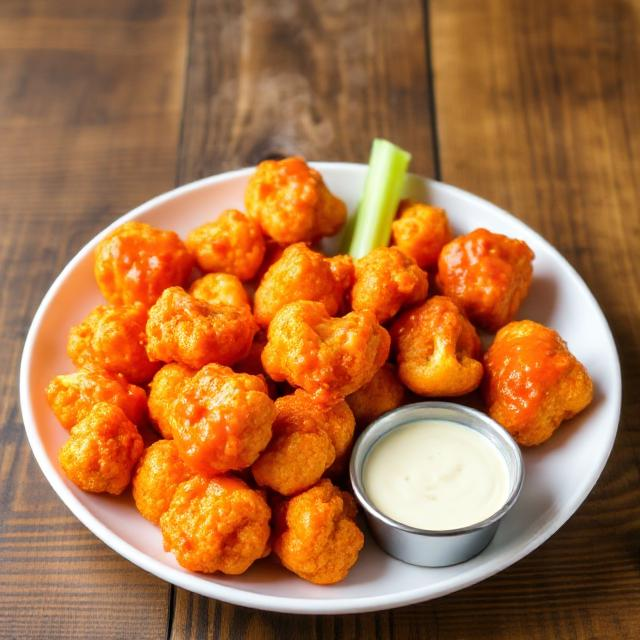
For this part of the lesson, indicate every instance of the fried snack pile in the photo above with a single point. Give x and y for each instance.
(254, 403)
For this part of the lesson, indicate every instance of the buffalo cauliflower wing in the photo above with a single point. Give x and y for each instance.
(316, 536)
(387, 280)
(220, 288)
(137, 262)
(307, 438)
(163, 391)
(487, 275)
(193, 332)
(159, 472)
(420, 231)
(113, 338)
(382, 393)
(233, 243)
(533, 382)
(327, 357)
(102, 450)
(221, 420)
(72, 396)
(291, 202)
(216, 524)
(437, 349)
(303, 274)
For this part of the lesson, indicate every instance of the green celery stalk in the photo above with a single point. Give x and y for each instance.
(383, 187)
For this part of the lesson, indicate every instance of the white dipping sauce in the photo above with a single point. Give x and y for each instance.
(436, 475)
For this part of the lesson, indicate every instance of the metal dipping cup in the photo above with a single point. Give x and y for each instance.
(420, 546)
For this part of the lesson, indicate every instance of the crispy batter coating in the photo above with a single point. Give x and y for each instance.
(316, 536)
(221, 420)
(193, 332)
(113, 338)
(533, 382)
(102, 450)
(137, 262)
(159, 472)
(420, 231)
(73, 395)
(233, 243)
(303, 274)
(387, 280)
(487, 275)
(291, 202)
(216, 525)
(165, 387)
(307, 438)
(382, 393)
(438, 350)
(327, 357)
(220, 288)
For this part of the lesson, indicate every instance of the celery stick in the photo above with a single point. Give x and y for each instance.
(383, 187)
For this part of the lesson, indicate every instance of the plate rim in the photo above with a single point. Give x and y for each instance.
(287, 604)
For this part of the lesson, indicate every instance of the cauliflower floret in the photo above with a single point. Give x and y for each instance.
(387, 280)
(216, 525)
(159, 472)
(165, 387)
(327, 357)
(487, 275)
(221, 420)
(102, 450)
(233, 243)
(220, 288)
(193, 332)
(438, 350)
(113, 338)
(73, 395)
(303, 274)
(382, 393)
(533, 382)
(137, 262)
(316, 536)
(291, 202)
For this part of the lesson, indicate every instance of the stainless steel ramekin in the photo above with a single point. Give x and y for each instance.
(419, 546)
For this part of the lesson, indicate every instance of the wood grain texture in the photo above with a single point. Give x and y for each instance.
(90, 104)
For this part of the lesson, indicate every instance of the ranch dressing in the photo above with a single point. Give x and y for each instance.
(436, 475)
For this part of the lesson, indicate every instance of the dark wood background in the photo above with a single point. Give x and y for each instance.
(104, 103)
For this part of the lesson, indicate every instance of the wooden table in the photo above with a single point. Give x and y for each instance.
(105, 103)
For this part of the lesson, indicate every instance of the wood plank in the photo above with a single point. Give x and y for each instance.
(90, 106)
(320, 79)
(537, 107)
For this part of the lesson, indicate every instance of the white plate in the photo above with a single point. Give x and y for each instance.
(560, 474)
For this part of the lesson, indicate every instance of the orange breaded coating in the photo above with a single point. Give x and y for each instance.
(159, 472)
(113, 338)
(307, 438)
(303, 274)
(291, 202)
(327, 357)
(73, 395)
(163, 391)
(137, 262)
(216, 524)
(220, 288)
(387, 280)
(193, 332)
(102, 450)
(487, 275)
(316, 536)
(233, 243)
(533, 382)
(221, 420)
(382, 393)
(420, 231)
(437, 349)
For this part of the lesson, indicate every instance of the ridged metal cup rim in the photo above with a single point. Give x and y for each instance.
(395, 419)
